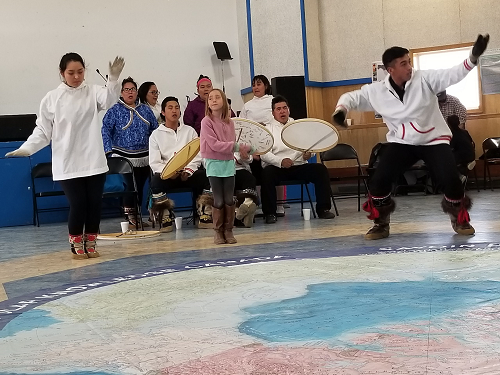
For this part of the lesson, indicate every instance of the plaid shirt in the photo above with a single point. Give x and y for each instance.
(452, 106)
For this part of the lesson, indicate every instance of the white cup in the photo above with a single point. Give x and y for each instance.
(124, 225)
(349, 122)
(306, 212)
(178, 222)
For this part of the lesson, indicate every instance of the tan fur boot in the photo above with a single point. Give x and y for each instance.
(77, 249)
(458, 211)
(89, 243)
(204, 205)
(381, 221)
(229, 214)
(218, 225)
(162, 211)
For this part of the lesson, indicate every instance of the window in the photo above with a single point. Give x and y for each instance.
(469, 89)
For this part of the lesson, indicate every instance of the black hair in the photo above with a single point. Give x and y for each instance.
(392, 54)
(453, 121)
(265, 81)
(143, 91)
(67, 58)
(278, 99)
(164, 104)
(228, 101)
(129, 80)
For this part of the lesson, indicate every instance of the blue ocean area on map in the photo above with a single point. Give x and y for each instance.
(329, 310)
(33, 319)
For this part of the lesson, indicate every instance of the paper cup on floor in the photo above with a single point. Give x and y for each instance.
(178, 222)
(306, 212)
(124, 225)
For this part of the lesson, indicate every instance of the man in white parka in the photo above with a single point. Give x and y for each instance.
(406, 99)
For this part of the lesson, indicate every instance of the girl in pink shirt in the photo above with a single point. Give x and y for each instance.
(218, 144)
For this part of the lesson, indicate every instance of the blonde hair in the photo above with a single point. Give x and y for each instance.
(225, 106)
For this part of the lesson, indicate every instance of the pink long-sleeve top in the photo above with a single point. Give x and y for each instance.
(217, 139)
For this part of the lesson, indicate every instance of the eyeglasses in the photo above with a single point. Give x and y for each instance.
(129, 89)
(154, 92)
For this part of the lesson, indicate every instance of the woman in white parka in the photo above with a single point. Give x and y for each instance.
(68, 120)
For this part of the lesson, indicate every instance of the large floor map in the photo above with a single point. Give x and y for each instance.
(417, 312)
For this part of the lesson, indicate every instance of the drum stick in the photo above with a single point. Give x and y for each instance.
(322, 139)
(239, 135)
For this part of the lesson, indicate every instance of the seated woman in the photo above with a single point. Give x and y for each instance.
(245, 188)
(126, 128)
(164, 143)
(462, 145)
(148, 94)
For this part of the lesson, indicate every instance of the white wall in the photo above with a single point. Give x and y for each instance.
(166, 41)
(355, 33)
(277, 37)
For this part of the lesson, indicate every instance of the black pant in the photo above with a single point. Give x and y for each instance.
(85, 201)
(198, 181)
(244, 180)
(398, 157)
(141, 175)
(222, 190)
(316, 173)
(256, 168)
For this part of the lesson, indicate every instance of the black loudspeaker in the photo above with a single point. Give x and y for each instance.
(293, 88)
(222, 51)
(16, 127)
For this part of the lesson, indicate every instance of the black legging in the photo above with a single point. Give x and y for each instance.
(222, 190)
(85, 201)
(399, 157)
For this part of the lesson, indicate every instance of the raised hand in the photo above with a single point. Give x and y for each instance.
(115, 68)
(479, 47)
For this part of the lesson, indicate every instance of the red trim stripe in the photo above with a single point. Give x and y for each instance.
(441, 138)
(404, 131)
(467, 66)
(419, 131)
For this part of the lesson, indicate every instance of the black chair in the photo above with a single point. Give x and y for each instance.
(343, 151)
(38, 173)
(121, 166)
(302, 184)
(491, 156)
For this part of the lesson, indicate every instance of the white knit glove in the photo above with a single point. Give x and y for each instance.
(115, 68)
(18, 152)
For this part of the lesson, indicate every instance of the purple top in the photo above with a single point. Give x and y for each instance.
(217, 140)
(194, 113)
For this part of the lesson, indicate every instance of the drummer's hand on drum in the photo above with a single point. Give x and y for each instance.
(339, 116)
(256, 157)
(177, 174)
(184, 176)
(306, 155)
(244, 150)
(286, 163)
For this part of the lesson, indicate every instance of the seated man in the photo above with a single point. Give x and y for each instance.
(245, 189)
(282, 163)
(462, 146)
(163, 144)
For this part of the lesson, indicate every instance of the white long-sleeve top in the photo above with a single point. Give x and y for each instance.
(241, 163)
(280, 151)
(258, 109)
(165, 143)
(69, 119)
(417, 119)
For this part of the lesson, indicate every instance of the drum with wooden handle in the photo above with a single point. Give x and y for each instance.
(310, 135)
(254, 134)
(180, 159)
